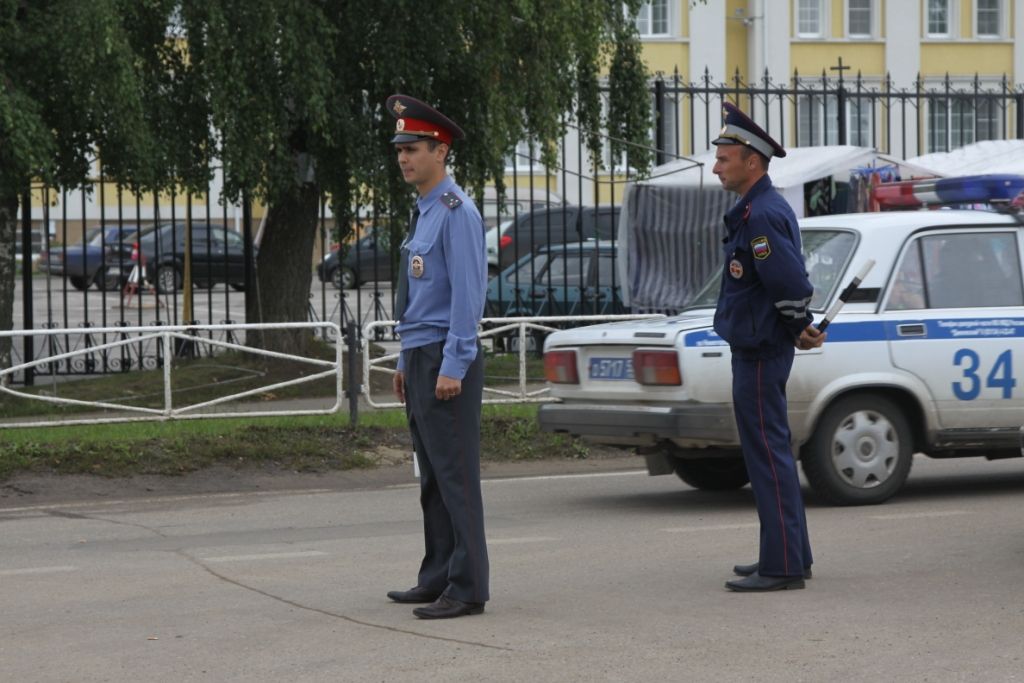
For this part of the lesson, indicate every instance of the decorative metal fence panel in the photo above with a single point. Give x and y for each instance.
(551, 242)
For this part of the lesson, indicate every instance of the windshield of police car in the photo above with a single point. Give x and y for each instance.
(826, 255)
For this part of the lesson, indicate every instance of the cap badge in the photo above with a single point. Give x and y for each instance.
(416, 265)
(725, 129)
(399, 107)
(400, 124)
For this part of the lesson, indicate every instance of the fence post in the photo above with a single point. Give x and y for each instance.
(247, 249)
(1020, 116)
(659, 120)
(28, 352)
(352, 333)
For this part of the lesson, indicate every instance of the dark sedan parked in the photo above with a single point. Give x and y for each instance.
(548, 225)
(560, 279)
(94, 260)
(218, 256)
(367, 260)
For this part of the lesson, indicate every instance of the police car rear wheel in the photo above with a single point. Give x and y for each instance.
(712, 474)
(861, 452)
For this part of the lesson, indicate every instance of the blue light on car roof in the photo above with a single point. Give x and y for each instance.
(978, 189)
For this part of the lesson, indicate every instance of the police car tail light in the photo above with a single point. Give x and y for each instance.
(657, 367)
(560, 367)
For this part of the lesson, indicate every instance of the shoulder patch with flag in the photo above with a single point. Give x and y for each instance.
(760, 247)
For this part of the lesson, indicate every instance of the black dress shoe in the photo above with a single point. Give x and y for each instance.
(448, 608)
(417, 594)
(748, 569)
(755, 583)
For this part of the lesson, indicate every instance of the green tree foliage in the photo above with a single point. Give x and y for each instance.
(74, 81)
(288, 95)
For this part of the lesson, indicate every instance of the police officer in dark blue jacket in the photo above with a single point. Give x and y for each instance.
(439, 301)
(762, 314)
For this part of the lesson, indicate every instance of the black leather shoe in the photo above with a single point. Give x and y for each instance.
(748, 569)
(448, 608)
(417, 594)
(755, 583)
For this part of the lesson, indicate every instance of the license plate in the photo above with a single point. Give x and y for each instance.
(611, 369)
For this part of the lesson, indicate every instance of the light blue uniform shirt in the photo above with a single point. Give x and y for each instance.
(446, 300)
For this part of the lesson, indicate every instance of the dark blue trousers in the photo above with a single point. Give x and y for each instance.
(446, 438)
(759, 401)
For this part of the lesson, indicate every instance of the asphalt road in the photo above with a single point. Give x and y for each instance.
(597, 576)
(51, 305)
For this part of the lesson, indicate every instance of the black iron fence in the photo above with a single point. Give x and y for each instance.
(551, 238)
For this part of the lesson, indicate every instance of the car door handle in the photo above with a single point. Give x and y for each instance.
(911, 330)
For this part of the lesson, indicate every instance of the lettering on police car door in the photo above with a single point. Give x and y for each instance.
(1000, 376)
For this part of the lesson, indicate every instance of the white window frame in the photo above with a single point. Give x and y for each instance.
(952, 26)
(949, 115)
(671, 20)
(520, 164)
(823, 21)
(872, 21)
(827, 132)
(1000, 19)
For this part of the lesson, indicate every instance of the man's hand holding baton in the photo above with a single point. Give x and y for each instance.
(812, 337)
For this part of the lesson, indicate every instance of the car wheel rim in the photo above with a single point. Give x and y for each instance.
(865, 449)
(166, 281)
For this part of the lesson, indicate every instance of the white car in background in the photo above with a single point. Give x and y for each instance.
(925, 358)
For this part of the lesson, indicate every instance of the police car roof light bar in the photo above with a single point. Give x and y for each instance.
(845, 294)
(996, 188)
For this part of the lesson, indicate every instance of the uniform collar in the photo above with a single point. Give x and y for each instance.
(424, 203)
(740, 210)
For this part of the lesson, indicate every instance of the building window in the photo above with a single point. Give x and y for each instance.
(957, 121)
(818, 121)
(859, 20)
(938, 19)
(525, 157)
(810, 19)
(653, 19)
(988, 24)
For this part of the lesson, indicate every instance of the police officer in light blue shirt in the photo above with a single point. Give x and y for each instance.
(763, 313)
(439, 301)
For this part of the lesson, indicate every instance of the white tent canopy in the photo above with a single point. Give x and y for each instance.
(987, 156)
(671, 225)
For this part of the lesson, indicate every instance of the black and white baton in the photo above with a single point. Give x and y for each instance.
(845, 295)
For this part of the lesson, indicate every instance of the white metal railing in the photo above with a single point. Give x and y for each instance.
(165, 335)
(522, 325)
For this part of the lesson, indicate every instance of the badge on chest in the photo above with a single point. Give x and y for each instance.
(736, 269)
(416, 266)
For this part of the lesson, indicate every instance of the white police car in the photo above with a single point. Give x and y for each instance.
(925, 357)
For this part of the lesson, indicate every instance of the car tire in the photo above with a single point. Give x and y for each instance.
(167, 279)
(203, 284)
(238, 286)
(712, 474)
(107, 281)
(344, 278)
(861, 451)
(79, 283)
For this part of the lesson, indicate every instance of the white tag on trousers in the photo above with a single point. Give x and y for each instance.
(415, 465)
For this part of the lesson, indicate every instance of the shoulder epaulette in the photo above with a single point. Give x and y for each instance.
(451, 200)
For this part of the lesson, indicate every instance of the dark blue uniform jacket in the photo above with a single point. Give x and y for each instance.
(762, 305)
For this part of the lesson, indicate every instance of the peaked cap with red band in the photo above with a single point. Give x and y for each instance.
(740, 129)
(419, 121)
